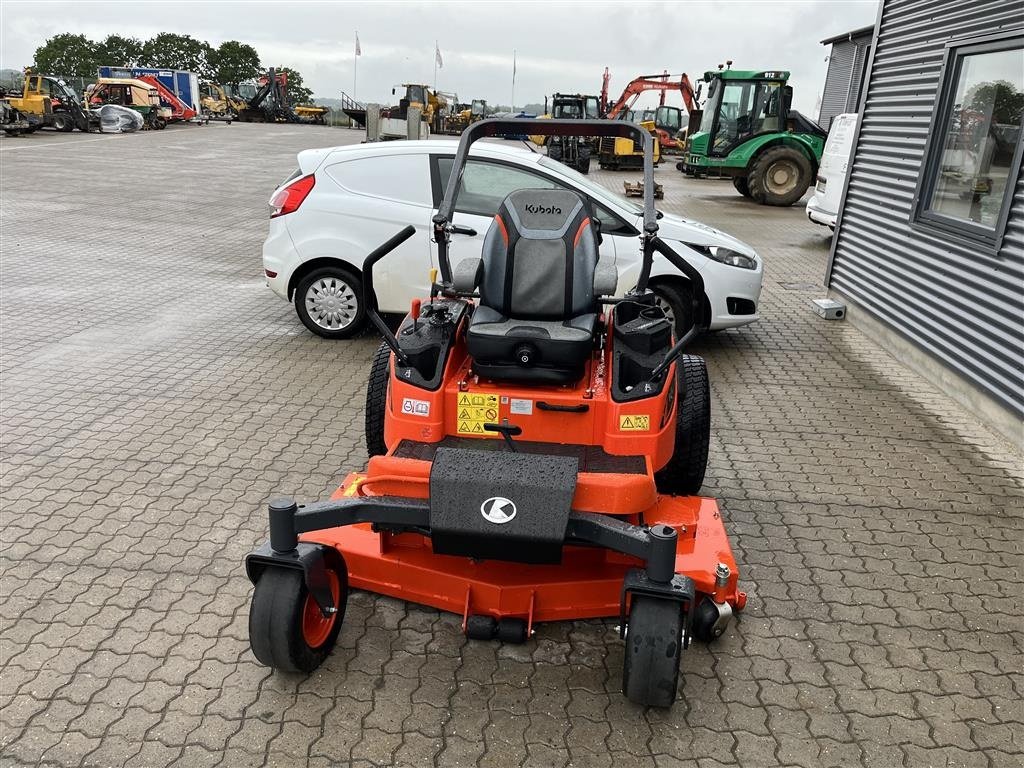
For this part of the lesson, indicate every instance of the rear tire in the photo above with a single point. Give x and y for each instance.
(377, 400)
(312, 304)
(779, 176)
(654, 644)
(684, 473)
(286, 629)
(740, 182)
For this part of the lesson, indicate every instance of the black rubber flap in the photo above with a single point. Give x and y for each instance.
(500, 506)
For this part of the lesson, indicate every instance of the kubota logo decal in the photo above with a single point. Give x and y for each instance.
(550, 209)
(498, 510)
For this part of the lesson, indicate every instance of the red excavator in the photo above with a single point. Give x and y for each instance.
(668, 121)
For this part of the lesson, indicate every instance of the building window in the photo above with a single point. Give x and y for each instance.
(974, 150)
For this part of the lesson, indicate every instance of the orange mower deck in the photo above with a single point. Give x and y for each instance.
(587, 584)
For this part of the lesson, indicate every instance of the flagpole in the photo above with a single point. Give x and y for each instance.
(355, 66)
(435, 64)
(513, 79)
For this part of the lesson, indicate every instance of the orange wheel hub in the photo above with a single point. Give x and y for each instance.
(315, 628)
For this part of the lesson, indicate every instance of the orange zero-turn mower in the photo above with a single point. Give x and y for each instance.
(535, 447)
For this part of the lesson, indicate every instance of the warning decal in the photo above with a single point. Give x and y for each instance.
(474, 411)
(635, 423)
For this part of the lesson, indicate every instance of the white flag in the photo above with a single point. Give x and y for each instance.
(359, 51)
(437, 56)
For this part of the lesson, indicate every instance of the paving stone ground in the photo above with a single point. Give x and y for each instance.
(155, 394)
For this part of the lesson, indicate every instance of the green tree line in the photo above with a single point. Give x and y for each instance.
(230, 63)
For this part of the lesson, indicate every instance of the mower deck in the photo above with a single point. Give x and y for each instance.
(587, 584)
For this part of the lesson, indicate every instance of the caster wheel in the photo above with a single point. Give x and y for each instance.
(654, 643)
(512, 630)
(481, 627)
(710, 620)
(287, 630)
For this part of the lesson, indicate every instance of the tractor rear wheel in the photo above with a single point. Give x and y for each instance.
(684, 472)
(287, 630)
(377, 400)
(779, 176)
(740, 182)
(654, 644)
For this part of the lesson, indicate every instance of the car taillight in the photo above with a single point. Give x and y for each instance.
(288, 199)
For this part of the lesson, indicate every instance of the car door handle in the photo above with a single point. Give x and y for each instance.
(460, 230)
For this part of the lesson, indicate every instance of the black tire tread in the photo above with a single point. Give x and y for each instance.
(275, 620)
(684, 472)
(755, 179)
(377, 400)
(650, 673)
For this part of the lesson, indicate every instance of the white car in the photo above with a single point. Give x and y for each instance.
(823, 207)
(343, 202)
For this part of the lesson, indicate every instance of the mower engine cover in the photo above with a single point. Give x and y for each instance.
(500, 505)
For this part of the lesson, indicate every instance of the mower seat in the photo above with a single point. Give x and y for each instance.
(538, 310)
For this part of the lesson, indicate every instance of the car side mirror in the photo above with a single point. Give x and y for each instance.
(392, 91)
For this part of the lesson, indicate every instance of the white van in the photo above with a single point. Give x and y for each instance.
(823, 207)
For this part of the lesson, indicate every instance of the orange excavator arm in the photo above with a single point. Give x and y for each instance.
(644, 83)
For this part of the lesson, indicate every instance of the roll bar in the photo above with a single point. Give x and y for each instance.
(517, 126)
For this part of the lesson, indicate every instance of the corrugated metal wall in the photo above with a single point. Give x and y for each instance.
(860, 62)
(961, 305)
(837, 81)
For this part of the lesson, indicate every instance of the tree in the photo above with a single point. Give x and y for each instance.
(297, 92)
(119, 51)
(1000, 98)
(234, 62)
(170, 51)
(67, 55)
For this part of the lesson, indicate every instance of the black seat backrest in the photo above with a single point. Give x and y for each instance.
(539, 256)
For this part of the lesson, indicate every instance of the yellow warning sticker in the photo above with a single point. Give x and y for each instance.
(474, 411)
(635, 423)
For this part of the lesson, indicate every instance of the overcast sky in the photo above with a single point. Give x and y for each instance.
(561, 46)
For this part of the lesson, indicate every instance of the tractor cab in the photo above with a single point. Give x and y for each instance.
(740, 106)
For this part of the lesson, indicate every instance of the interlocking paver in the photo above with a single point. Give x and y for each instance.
(154, 395)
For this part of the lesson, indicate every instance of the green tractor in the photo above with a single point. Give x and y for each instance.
(748, 132)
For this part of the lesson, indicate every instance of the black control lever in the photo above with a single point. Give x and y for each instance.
(507, 432)
(370, 296)
(458, 229)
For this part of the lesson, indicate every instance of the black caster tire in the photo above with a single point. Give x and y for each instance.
(377, 400)
(684, 472)
(654, 644)
(512, 630)
(705, 617)
(481, 627)
(286, 629)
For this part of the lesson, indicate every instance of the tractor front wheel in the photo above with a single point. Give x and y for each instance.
(287, 630)
(684, 472)
(654, 644)
(779, 176)
(62, 122)
(740, 182)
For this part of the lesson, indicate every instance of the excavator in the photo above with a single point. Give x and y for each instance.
(270, 102)
(665, 121)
